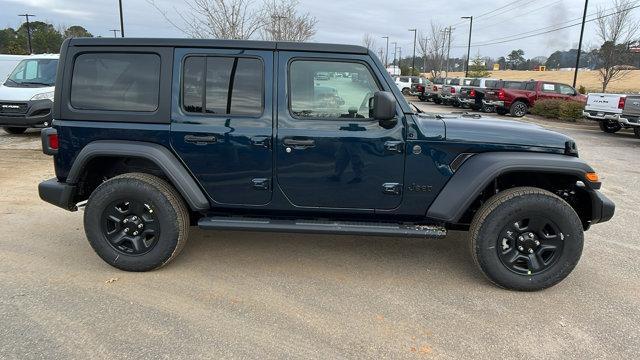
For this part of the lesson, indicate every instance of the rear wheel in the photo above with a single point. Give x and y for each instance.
(609, 126)
(526, 239)
(406, 91)
(518, 109)
(136, 222)
(636, 131)
(501, 111)
(422, 98)
(437, 100)
(14, 130)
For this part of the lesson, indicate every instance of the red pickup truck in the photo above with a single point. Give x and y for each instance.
(517, 101)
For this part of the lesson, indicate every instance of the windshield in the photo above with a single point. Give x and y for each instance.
(33, 73)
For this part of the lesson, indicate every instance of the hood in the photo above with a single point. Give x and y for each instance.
(488, 130)
(8, 93)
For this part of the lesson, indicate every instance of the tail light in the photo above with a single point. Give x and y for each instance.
(420, 87)
(472, 93)
(453, 90)
(53, 141)
(50, 141)
(501, 95)
(621, 102)
(435, 88)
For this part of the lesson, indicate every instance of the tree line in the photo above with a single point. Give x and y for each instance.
(45, 38)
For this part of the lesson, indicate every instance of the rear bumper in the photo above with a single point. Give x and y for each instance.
(58, 193)
(621, 118)
(602, 208)
(38, 114)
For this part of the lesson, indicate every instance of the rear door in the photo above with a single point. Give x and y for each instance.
(329, 152)
(222, 121)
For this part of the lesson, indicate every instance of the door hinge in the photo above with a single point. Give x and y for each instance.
(394, 146)
(392, 188)
(261, 184)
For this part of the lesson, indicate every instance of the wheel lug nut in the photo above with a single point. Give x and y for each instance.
(520, 248)
(126, 230)
(530, 250)
(125, 221)
(530, 234)
(537, 242)
(150, 211)
(134, 218)
(136, 233)
(520, 238)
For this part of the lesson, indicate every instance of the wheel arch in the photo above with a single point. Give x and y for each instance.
(108, 158)
(483, 175)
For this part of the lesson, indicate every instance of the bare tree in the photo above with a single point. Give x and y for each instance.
(281, 22)
(368, 41)
(433, 47)
(615, 30)
(218, 19)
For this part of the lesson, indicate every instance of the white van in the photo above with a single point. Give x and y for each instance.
(26, 96)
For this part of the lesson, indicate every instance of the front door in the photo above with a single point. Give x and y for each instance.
(222, 122)
(329, 152)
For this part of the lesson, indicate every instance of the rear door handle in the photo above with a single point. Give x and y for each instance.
(299, 144)
(200, 139)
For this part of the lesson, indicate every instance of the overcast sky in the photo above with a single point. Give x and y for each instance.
(343, 21)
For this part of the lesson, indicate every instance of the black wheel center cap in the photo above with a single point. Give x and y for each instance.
(528, 242)
(133, 225)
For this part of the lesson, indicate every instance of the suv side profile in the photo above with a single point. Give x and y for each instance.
(156, 135)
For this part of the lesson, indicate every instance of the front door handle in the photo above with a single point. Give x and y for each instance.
(200, 139)
(394, 146)
(299, 144)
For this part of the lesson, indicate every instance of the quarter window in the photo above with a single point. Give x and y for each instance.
(337, 97)
(116, 81)
(234, 86)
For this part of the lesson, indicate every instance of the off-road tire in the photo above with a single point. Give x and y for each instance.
(609, 126)
(437, 100)
(406, 91)
(636, 131)
(422, 98)
(14, 130)
(501, 111)
(169, 210)
(499, 212)
(518, 109)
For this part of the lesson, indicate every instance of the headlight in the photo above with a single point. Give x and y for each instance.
(43, 96)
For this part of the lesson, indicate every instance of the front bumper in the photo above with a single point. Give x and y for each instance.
(32, 113)
(602, 208)
(58, 193)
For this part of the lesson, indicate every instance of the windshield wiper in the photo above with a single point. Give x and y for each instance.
(13, 81)
(415, 107)
(36, 83)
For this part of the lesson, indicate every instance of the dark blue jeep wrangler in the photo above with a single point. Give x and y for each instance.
(157, 135)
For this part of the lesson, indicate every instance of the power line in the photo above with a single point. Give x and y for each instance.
(550, 31)
(490, 12)
(523, 14)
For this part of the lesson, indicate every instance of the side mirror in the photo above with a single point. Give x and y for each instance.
(384, 109)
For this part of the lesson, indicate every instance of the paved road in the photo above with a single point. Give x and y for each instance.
(253, 295)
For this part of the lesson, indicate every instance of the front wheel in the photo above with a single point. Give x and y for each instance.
(609, 126)
(136, 222)
(526, 239)
(518, 109)
(14, 130)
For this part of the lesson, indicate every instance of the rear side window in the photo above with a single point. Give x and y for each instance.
(490, 83)
(116, 81)
(531, 86)
(232, 86)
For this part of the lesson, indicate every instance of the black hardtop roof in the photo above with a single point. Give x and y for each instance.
(227, 44)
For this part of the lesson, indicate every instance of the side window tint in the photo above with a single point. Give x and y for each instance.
(404, 79)
(243, 76)
(566, 90)
(531, 86)
(338, 97)
(116, 81)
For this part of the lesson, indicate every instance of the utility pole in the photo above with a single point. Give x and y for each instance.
(466, 66)
(584, 16)
(447, 32)
(386, 53)
(115, 32)
(424, 59)
(121, 20)
(394, 52)
(26, 16)
(413, 60)
(380, 53)
(399, 56)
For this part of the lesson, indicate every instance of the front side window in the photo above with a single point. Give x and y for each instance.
(338, 97)
(232, 86)
(33, 72)
(566, 90)
(116, 81)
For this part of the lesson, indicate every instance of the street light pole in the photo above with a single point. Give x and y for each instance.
(466, 66)
(26, 16)
(386, 53)
(115, 32)
(394, 52)
(121, 20)
(413, 60)
(584, 16)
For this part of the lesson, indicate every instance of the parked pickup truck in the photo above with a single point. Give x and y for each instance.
(614, 111)
(406, 83)
(139, 145)
(450, 92)
(517, 101)
(473, 96)
(419, 89)
(432, 92)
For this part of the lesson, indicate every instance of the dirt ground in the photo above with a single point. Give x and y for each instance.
(589, 79)
(257, 295)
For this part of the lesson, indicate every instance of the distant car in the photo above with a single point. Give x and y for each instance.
(404, 83)
(614, 111)
(449, 93)
(322, 76)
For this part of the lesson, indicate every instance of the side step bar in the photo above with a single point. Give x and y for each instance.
(322, 227)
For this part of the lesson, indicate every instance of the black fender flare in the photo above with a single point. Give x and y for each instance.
(173, 169)
(479, 170)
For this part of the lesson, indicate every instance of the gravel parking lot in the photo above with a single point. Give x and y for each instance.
(257, 295)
